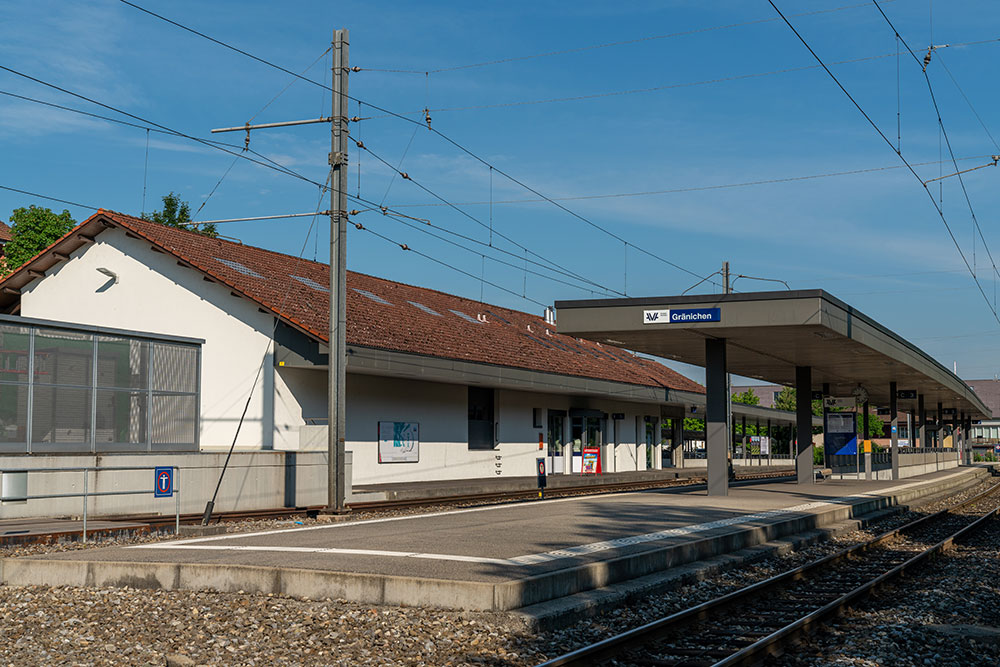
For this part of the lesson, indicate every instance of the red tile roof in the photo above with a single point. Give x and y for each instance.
(4, 232)
(458, 328)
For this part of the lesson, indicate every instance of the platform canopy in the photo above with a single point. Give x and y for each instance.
(769, 334)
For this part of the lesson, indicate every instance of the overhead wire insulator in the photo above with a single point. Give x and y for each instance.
(404, 175)
(427, 117)
(927, 58)
(404, 246)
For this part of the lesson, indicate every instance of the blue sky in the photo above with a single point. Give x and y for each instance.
(872, 238)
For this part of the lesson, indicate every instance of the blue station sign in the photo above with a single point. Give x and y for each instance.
(681, 315)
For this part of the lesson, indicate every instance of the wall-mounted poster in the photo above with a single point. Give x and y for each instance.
(398, 442)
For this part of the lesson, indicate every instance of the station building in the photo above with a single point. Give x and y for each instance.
(438, 386)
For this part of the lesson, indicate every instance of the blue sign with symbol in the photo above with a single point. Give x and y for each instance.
(163, 482)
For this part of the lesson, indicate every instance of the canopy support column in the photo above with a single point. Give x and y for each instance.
(893, 430)
(716, 416)
(803, 425)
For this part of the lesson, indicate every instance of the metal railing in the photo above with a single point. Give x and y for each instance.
(86, 494)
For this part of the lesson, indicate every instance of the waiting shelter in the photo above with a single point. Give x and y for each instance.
(807, 339)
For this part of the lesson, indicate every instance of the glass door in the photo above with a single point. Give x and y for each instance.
(576, 437)
(650, 440)
(557, 430)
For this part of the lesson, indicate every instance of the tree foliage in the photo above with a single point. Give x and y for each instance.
(747, 397)
(875, 425)
(32, 230)
(177, 213)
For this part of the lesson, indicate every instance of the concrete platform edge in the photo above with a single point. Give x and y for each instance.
(400, 590)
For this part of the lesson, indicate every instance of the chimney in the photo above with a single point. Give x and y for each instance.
(550, 315)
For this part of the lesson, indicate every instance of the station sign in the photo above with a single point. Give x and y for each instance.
(948, 411)
(681, 315)
(817, 396)
(163, 482)
(839, 402)
(906, 394)
(883, 411)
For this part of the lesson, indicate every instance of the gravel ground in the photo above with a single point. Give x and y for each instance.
(946, 614)
(86, 626)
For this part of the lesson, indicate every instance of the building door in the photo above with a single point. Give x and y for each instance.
(585, 432)
(666, 445)
(576, 437)
(648, 442)
(557, 431)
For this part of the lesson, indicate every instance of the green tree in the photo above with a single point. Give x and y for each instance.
(177, 213)
(32, 230)
(693, 424)
(786, 401)
(748, 397)
(875, 425)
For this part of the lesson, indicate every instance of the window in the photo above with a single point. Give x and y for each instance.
(481, 424)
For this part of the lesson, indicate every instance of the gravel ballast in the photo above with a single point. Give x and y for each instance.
(121, 626)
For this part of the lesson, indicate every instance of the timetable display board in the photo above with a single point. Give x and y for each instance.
(398, 442)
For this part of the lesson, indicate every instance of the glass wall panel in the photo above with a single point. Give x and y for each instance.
(61, 415)
(13, 413)
(14, 344)
(122, 363)
(63, 357)
(121, 417)
(173, 419)
(175, 368)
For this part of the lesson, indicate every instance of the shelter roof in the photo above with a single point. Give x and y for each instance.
(769, 334)
(380, 313)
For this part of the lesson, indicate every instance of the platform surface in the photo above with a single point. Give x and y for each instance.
(515, 541)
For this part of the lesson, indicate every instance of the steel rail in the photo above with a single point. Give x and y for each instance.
(773, 643)
(613, 646)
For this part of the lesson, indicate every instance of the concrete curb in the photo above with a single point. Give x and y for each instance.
(401, 590)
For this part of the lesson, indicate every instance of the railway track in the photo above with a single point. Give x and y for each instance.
(157, 521)
(746, 626)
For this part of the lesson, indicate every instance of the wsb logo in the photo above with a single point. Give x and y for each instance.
(652, 317)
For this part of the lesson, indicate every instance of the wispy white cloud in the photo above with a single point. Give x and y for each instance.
(74, 45)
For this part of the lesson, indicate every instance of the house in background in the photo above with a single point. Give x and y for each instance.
(5, 236)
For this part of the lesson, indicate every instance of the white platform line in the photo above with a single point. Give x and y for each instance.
(527, 559)
(349, 524)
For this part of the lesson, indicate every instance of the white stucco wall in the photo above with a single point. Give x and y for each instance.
(155, 294)
(442, 412)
